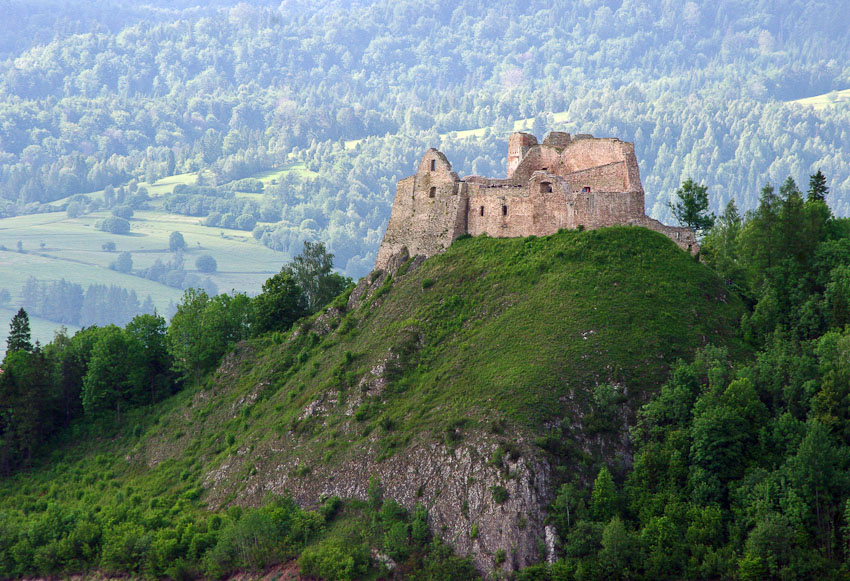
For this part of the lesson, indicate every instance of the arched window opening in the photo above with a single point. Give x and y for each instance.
(504, 210)
(482, 210)
(433, 165)
(432, 192)
(545, 187)
(586, 189)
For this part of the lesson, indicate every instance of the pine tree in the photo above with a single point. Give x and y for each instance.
(817, 187)
(19, 333)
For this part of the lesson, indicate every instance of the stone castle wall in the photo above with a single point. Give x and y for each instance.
(429, 211)
(565, 182)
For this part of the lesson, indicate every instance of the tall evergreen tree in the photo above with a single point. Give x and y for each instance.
(720, 247)
(817, 187)
(19, 333)
(760, 236)
(170, 164)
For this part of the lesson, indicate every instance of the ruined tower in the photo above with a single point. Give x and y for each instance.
(518, 146)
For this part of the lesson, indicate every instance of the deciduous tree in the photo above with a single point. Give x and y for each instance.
(176, 242)
(691, 207)
(312, 270)
(281, 303)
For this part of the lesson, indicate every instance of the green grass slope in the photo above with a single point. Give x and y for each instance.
(557, 339)
(514, 328)
(492, 360)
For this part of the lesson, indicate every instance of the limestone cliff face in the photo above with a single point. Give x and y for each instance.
(456, 485)
(565, 182)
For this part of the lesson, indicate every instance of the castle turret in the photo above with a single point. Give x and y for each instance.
(518, 146)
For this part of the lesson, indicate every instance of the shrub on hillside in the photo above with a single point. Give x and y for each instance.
(125, 212)
(124, 263)
(334, 559)
(74, 210)
(174, 278)
(260, 537)
(213, 220)
(114, 225)
(228, 220)
(251, 185)
(206, 263)
(245, 222)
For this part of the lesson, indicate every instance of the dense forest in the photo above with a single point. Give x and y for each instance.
(701, 89)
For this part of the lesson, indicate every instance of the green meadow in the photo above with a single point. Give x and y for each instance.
(54, 246)
(831, 99)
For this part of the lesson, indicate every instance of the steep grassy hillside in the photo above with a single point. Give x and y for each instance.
(471, 383)
(513, 328)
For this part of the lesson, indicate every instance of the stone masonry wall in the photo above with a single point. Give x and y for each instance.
(562, 183)
(606, 178)
(525, 211)
(429, 211)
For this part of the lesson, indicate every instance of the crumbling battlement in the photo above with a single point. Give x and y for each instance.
(565, 182)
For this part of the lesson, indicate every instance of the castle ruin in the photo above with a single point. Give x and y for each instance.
(577, 181)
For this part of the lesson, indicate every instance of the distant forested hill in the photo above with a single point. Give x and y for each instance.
(703, 88)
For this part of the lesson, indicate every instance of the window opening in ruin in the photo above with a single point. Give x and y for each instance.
(432, 192)
(545, 187)
(504, 210)
(585, 189)
(433, 165)
(482, 210)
